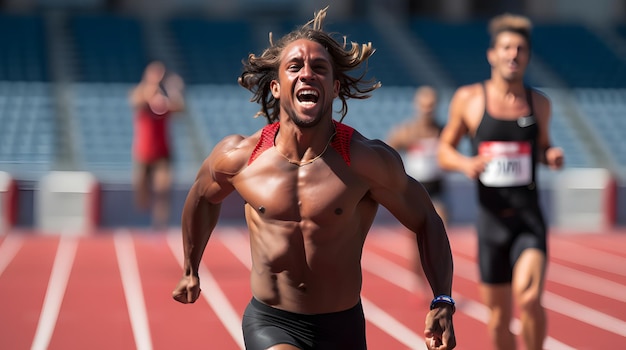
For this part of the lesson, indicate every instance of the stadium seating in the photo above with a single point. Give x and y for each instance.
(607, 111)
(212, 50)
(110, 56)
(578, 56)
(27, 128)
(23, 56)
(459, 47)
(109, 48)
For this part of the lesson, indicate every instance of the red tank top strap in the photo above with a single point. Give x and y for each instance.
(341, 142)
(265, 141)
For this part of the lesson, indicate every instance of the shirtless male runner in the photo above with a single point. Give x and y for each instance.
(508, 123)
(311, 187)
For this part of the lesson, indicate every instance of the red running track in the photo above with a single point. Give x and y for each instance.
(112, 290)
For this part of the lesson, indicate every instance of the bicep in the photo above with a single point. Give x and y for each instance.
(455, 127)
(543, 111)
(404, 197)
(214, 179)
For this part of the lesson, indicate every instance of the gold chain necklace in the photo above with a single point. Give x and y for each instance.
(300, 163)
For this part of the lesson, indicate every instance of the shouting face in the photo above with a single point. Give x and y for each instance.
(305, 87)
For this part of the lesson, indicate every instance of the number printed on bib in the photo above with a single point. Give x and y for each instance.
(510, 165)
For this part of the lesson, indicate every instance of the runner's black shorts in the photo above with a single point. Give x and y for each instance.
(502, 239)
(265, 326)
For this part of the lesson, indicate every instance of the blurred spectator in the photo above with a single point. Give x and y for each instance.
(154, 99)
(417, 140)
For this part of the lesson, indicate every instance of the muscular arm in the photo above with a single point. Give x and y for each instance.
(456, 128)
(549, 155)
(174, 86)
(201, 211)
(409, 202)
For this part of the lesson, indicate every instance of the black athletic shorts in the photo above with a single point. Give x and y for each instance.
(265, 326)
(502, 239)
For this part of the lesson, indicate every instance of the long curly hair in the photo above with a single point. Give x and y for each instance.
(259, 71)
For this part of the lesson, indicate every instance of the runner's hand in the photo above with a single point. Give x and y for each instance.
(439, 331)
(188, 290)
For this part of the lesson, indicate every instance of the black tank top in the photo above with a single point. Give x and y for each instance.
(509, 180)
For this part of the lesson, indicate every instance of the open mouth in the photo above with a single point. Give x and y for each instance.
(307, 97)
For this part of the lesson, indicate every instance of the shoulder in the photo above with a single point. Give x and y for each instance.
(541, 103)
(539, 98)
(466, 92)
(373, 157)
(231, 154)
(467, 101)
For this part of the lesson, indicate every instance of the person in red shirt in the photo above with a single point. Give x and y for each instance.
(157, 96)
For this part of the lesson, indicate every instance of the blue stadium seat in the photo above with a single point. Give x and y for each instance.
(459, 47)
(23, 55)
(110, 48)
(212, 50)
(27, 136)
(606, 109)
(578, 56)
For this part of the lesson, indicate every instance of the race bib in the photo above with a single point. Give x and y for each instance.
(421, 160)
(510, 165)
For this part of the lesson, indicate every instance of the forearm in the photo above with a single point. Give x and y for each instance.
(450, 158)
(436, 256)
(198, 221)
(177, 102)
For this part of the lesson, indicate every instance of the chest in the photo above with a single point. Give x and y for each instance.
(319, 192)
(520, 129)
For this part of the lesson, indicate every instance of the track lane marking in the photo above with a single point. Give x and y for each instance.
(212, 293)
(55, 292)
(588, 257)
(471, 308)
(8, 250)
(133, 291)
(237, 243)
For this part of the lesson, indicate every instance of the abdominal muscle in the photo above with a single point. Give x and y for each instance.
(305, 268)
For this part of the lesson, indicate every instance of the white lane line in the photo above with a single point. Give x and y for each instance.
(587, 282)
(8, 249)
(237, 244)
(399, 276)
(212, 293)
(59, 277)
(588, 257)
(131, 281)
(465, 268)
(571, 277)
(392, 326)
(584, 314)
